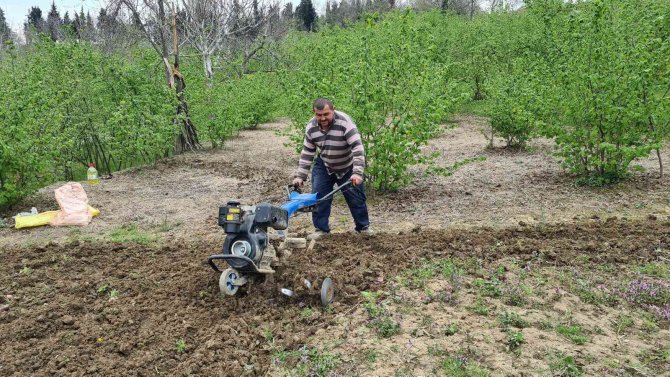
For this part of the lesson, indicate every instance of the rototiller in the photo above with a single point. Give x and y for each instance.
(247, 248)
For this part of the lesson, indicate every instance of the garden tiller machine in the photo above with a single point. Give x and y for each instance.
(247, 249)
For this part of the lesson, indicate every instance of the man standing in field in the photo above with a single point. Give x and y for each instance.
(333, 138)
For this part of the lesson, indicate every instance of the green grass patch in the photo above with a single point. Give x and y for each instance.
(589, 294)
(451, 329)
(130, 233)
(565, 365)
(515, 295)
(306, 313)
(655, 357)
(180, 346)
(371, 356)
(514, 340)
(307, 362)
(622, 323)
(573, 333)
(385, 326)
(489, 288)
(25, 270)
(479, 108)
(463, 367)
(479, 307)
(511, 319)
(370, 304)
(419, 277)
(655, 269)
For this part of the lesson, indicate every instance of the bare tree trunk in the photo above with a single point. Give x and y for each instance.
(163, 43)
(207, 64)
(478, 89)
(188, 138)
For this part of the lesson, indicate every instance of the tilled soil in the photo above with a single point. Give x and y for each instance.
(72, 302)
(120, 309)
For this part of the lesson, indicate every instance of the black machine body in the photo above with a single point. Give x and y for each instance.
(246, 246)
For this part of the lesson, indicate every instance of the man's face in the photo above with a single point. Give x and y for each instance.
(325, 116)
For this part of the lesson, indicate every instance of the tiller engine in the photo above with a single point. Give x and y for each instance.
(247, 249)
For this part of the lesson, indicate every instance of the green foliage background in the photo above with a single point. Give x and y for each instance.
(65, 105)
(593, 76)
(389, 75)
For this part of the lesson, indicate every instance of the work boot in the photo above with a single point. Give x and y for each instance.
(316, 235)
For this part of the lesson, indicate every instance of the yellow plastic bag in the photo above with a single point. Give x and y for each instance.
(43, 218)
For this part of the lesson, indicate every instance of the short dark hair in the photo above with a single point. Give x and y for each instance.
(321, 103)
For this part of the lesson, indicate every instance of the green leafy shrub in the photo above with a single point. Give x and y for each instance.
(66, 104)
(389, 75)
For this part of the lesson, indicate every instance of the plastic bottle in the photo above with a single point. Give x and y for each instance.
(92, 174)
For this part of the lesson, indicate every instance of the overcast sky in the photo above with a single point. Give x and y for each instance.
(16, 11)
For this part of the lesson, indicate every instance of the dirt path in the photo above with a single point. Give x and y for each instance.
(178, 199)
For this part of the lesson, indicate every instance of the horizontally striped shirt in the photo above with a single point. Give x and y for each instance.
(339, 148)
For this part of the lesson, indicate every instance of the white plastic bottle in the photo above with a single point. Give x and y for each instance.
(92, 174)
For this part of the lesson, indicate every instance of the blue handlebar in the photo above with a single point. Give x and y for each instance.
(298, 200)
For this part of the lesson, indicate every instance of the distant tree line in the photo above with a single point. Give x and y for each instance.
(109, 23)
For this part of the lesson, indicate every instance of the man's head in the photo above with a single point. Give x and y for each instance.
(324, 112)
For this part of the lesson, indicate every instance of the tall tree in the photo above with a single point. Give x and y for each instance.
(306, 15)
(90, 27)
(212, 25)
(84, 27)
(157, 21)
(77, 26)
(67, 25)
(105, 22)
(34, 24)
(54, 23)
(287, 13)
(113, 33)
(328, 16)
(275, 29)
(5, 31)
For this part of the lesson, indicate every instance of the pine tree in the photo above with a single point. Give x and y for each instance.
(68, 25)
(54, 23)
(90, 27)
(306, 15)
(336, 14)
(287, 13)
(5, 31)
(34, 24)
(77, 26)
(328, 15)
(82, 32)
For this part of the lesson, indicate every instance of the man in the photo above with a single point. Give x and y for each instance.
(340, 158)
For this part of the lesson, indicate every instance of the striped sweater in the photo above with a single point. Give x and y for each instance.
(339, 148)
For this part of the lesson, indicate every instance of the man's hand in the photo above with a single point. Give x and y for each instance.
(356, 179)
(297, 181)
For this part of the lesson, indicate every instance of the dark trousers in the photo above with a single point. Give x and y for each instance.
(323, 183)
